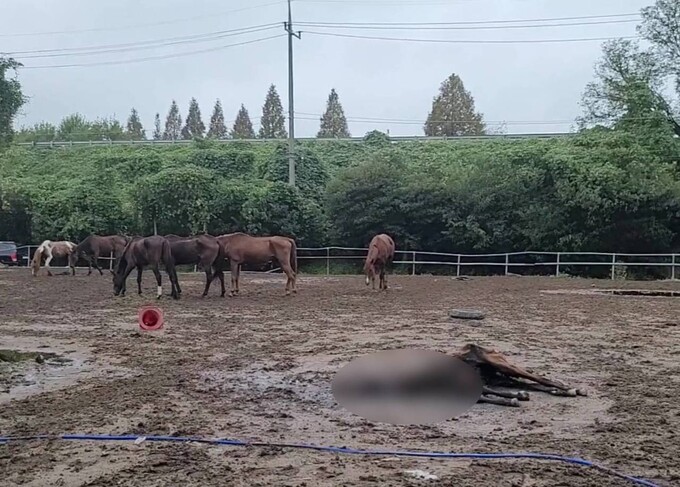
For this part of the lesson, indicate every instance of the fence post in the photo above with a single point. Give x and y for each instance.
(413, 269)
(458, 267)
(557, 271)
(111, 261)
(328, 261)
(613, 265)
(673, 267)
(507, 262)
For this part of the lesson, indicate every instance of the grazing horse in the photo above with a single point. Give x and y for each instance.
(96, 246)
(50, 250)
(496, 370)
(380, 255)
(203, 250)
(141, 252)
(240, 248)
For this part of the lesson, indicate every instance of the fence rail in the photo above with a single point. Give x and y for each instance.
(410, 258)
(461, 138)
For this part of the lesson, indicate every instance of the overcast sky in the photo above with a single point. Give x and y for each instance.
(374, 78)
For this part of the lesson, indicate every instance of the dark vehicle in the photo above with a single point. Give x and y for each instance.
(9, 254)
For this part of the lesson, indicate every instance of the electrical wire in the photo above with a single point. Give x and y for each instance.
(466, 41)
(482, 22)
(336, 449)
(153, 58)
(143, 26)
(151, 46)
(470, 27)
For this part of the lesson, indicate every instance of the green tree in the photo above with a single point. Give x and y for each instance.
(453, 111)
(74, 127)
(11, 98)
(243, 127)
(194, 128)
(272, 123)
(217, 130)
(661, 26)
(178, 199)
(134, 129)
(333, 121)
(173, 123)
(157, 133)
(311, 173)
(40, 132)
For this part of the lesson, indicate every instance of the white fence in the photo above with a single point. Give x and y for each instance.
(507, 261)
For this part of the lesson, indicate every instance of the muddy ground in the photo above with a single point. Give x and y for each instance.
(258, 367)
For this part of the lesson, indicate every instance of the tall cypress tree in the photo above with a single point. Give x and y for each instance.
(157, 134)
(272, 123)
(173, 123)
(453, 111)
(194, 128)
(333, 121)
(217, 130)
(134, 129)
(243, 127)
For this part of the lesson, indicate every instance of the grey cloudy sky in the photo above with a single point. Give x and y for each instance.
(374, 78)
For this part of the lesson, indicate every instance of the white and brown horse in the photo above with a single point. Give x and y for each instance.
(50, 250)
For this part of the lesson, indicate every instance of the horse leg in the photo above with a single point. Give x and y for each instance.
(95, 263)
(499, 401)
(208, 279)
(233, 267)
(157, 273)
(290, 276)
(47, 262)
(139, 279)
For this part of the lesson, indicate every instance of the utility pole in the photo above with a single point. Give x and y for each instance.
(291, 106)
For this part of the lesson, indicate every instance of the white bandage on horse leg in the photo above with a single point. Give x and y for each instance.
(160, 291)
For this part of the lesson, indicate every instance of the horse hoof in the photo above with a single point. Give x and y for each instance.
(582, 392)
(514, 403)
(523, 395)
(572, 392)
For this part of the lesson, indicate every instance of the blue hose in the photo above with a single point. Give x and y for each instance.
(335, 449)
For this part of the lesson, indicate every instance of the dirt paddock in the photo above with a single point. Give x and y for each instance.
(258, 367)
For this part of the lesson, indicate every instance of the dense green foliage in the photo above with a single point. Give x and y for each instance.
(606, 190)
(11, 98)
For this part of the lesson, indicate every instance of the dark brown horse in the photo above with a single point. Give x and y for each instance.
(240, 249)
(141, 252)
(96, 246)
(380, 255)
(203, 250)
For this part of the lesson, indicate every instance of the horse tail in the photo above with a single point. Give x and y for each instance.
(221, 257)
(166, 255)
(293, 255)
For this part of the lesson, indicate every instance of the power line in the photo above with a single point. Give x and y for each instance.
(154, 58)
(140, 26)
(470, 27)
(147, 45)
(467, 41)
(481, 22)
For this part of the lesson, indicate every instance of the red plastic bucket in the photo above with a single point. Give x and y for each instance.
(150, 318)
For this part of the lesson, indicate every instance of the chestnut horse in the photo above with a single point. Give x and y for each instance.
(141, 252)
(240, 248)
(203, 250)
(96, 246)
(51, 250)
(380, 255)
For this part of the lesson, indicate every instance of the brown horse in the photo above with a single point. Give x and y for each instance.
(141, 252)
(203, 250)
(240, 248)
(51, 250)
(96, 246)
(380, 255)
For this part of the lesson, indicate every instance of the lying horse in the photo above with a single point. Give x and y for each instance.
(141, 252)
(203, 250)
(51, 250)
(380, 255)
(240, 248)
(496, 370)
(96, 246)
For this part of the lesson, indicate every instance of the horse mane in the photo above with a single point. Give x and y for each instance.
(122, 260)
